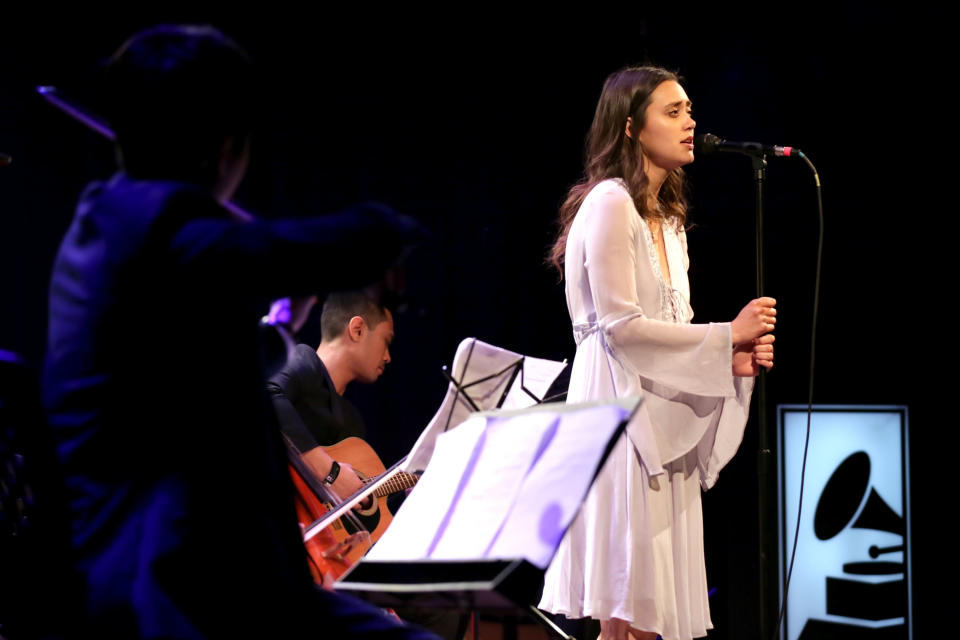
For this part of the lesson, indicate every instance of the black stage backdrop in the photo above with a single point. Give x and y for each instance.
(473, 122)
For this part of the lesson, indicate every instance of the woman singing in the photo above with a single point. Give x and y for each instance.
(633, 558)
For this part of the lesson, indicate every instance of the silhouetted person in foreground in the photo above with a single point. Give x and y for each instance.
(182, 520)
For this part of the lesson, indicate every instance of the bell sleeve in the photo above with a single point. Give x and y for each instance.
(693, 358)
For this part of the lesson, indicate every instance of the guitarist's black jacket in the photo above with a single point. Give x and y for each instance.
(310, 410)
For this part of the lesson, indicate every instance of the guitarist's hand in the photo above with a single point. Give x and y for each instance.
(348, 482)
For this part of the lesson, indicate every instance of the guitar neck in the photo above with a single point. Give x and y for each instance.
(399, 482)
(366, 461)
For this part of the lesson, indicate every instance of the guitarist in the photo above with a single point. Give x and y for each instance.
(356, 331)
(307, 394)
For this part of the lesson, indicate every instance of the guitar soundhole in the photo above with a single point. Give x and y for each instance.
(370, 508)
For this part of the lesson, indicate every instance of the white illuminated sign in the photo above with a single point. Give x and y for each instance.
(851, 577)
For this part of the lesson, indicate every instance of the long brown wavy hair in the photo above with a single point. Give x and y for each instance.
(611, 153)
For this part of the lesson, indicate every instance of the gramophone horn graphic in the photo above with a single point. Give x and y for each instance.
(872, 590)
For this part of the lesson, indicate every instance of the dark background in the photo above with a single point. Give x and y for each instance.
(473, 122)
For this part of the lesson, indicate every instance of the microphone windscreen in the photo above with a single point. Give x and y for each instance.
(706, 143)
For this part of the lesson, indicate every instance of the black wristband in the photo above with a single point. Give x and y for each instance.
(334, 472)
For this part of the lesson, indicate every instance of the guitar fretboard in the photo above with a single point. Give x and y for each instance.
(397, 483)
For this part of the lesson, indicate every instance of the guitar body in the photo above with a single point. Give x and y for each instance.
(326, 565)
(367, 464)
(342, 543)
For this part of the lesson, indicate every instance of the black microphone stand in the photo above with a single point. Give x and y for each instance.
(766, 496)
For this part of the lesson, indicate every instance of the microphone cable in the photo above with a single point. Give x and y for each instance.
(813, 350)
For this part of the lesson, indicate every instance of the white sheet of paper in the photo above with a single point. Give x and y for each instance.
(503, 485)
(554, 489)
(505, 457)
(421, 512)
(538, 375)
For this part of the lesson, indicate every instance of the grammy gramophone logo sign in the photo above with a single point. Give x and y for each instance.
(851, 577)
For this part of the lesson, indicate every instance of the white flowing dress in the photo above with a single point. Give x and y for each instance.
(635, 551)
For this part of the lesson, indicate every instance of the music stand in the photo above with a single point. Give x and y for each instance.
(484, 377)
(483, 523)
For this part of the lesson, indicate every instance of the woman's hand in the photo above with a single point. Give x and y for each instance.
(750, 356)
(754, 320)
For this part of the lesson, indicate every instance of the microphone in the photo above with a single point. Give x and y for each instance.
(709, 143)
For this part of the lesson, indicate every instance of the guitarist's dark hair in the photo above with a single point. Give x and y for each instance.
(341, 306)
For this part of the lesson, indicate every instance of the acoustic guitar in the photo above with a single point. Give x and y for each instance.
(376, 517)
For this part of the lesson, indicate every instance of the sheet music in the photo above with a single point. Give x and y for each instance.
(485, 361)
(538, 375)
(504, 484)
